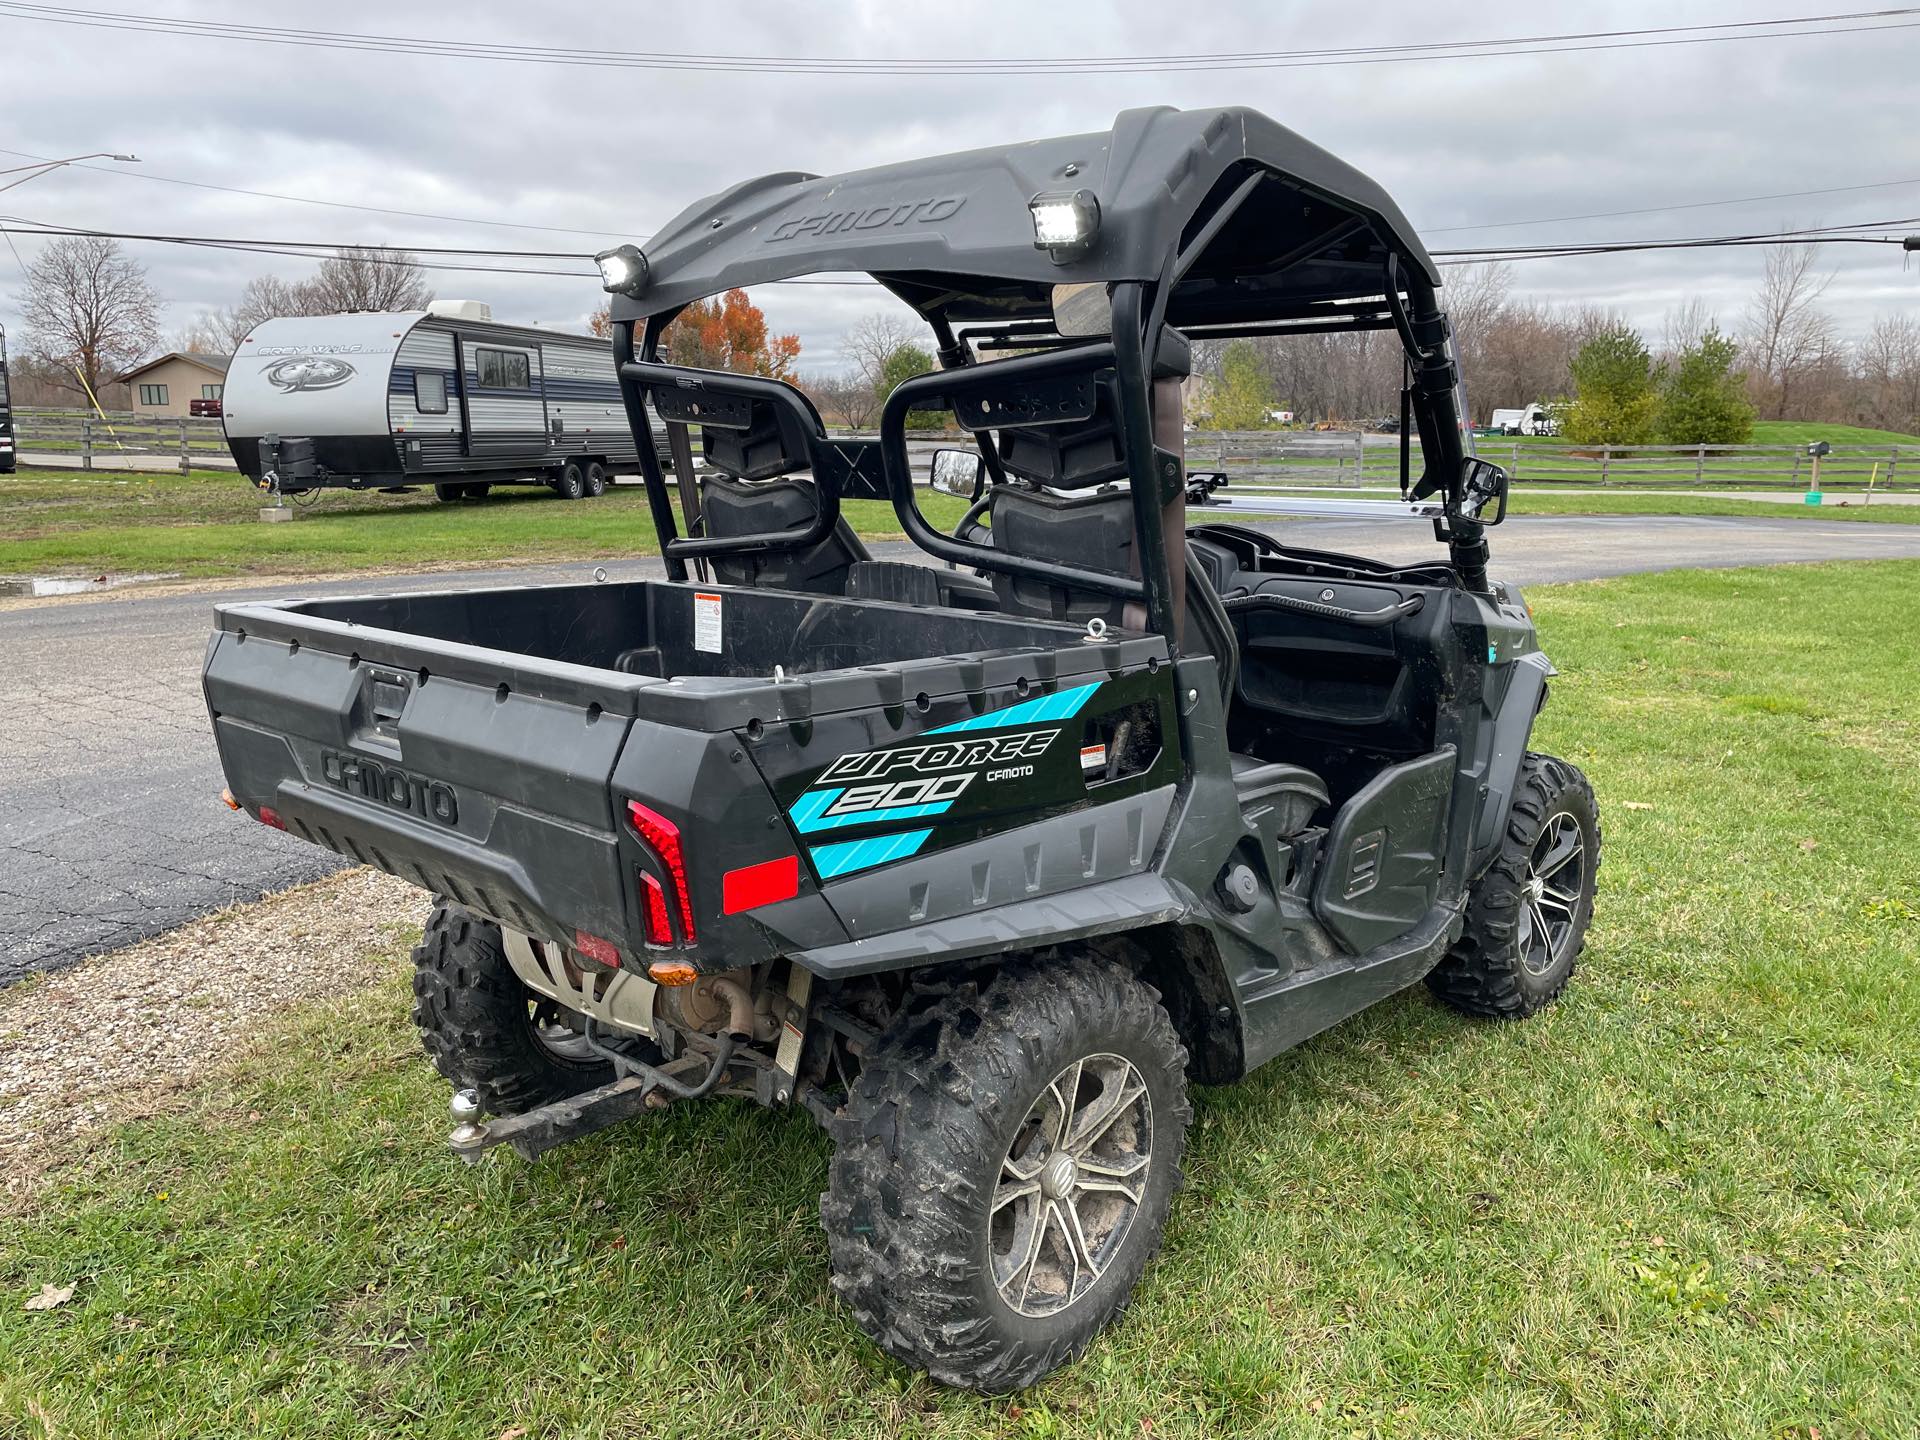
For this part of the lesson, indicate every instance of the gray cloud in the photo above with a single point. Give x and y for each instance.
(1459, 143)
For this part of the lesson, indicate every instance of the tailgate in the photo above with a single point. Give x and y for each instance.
(474, 781)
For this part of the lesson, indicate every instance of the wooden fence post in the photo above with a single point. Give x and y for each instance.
(1606, 462)
(186, 456)
(1359, 457)
(1513, 470)
(1700, 465)
(1793, 480)
(1893, 459)
(86, 442)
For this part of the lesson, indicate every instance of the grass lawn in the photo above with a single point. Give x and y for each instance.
(206, 524)
(1686, 1201)
(1526, 501)
(63, 522)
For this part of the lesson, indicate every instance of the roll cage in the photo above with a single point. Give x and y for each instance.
(1278, 238)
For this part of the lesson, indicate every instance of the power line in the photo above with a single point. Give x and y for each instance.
(330, 204)
(1848, 22)
(1656, 209)
(461, 259)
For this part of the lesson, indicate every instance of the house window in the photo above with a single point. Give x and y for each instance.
(153, 394)
(504, 369)
(429, 393)
(211, 392)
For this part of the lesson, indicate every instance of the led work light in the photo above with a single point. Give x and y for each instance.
(1065, 222)
(623, 270)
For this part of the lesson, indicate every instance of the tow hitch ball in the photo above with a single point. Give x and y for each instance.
(469, 1130)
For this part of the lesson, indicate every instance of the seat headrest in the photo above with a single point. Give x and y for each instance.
(1174, 358)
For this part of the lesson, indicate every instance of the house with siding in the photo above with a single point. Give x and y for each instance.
(169, 384)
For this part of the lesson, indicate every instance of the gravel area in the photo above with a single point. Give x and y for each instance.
(121, 1034)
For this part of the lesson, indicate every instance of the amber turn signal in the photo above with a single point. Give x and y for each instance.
(672, 972)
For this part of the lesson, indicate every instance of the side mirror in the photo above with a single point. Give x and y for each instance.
(957, 472)
(1482, 496)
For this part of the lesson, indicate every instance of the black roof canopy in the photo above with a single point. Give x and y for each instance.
(953, 233)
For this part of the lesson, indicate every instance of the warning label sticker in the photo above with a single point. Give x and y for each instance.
(706, 623)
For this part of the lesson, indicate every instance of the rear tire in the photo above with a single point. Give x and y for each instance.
(596, 478)
(1003, 1170)
(481, 1025)
(1527, 918)
(571, 484)
(447, 494)
(478, 492)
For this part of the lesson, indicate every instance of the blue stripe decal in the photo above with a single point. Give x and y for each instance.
(808, 812)
(852, 855)
(1061, 705)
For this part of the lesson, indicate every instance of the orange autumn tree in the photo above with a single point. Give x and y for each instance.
(730, 333)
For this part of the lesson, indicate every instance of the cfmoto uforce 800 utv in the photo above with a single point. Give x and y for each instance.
(984, 862)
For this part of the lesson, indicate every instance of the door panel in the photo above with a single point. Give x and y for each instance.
(1380, 869)
(506, 407)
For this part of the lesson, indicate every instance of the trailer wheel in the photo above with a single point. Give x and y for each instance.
(571, 484)
(1003, 1168)
(478, 492)
(447, 494)
(484, 1029)
(596, 478)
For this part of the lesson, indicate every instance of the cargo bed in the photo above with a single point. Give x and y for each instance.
(503, 775)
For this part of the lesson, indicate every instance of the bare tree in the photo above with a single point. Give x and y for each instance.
(1683, 326)
(89, 307)
(362, 279)
(1788, 336)
(843, 395)
(872, 340)
(1522, 358)
(211, 332)
(267, 297)
(1889, 363)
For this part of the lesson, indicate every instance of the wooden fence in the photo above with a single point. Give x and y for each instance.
(1256, 460)
(62, 436)
(1281, 460)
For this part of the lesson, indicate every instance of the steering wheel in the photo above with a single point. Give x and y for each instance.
(970, 529)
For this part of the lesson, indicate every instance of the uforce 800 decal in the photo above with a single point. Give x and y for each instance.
(914, 781)
(933, 759)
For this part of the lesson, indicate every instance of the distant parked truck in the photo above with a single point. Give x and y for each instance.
(1533, 420)
(444, 396)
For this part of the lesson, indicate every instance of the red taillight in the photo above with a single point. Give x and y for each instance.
(271, 816)
(763, 884)
(664, 837)
(594, 948)
(653, 901)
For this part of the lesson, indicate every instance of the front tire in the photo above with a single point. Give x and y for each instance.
(1004, 1167)
(1527, 918)
(571, 483)
(484, 1029)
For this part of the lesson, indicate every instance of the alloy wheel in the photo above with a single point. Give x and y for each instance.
(1070, 1184)
(1550, 900)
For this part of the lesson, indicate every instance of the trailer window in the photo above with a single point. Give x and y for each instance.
(429, 392)
(504, 369)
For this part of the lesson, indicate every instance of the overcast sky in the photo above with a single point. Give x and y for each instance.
(1458, 142)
